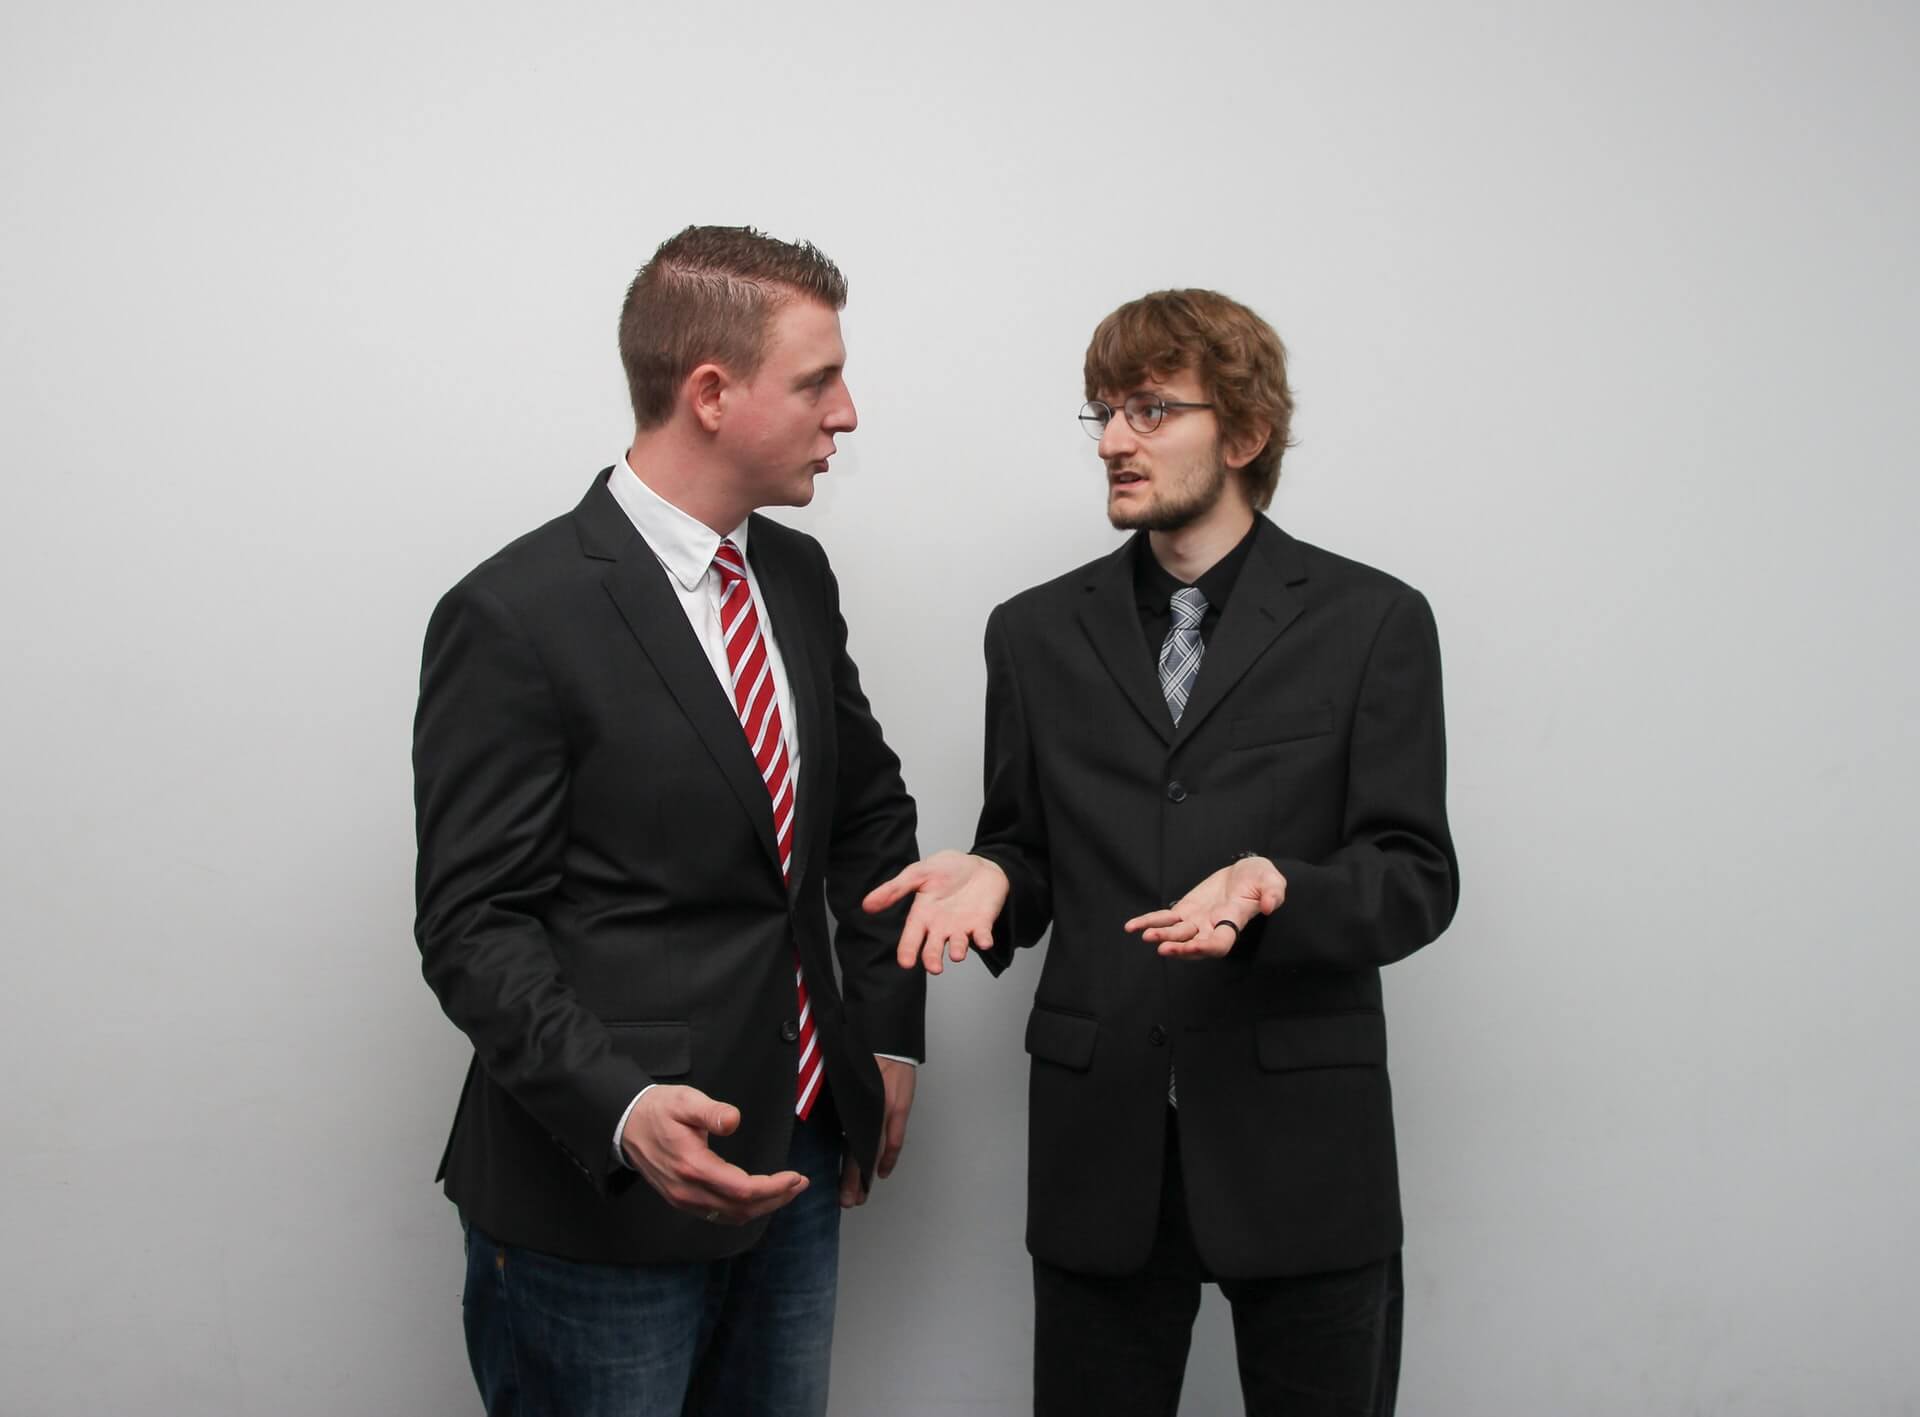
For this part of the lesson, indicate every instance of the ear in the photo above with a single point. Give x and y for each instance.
(1244, 449)
(705, 393)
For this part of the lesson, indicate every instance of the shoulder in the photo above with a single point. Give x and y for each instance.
(1040, 605)
(1328, 576)
(554, 562)
(1350, 575)
(1361, 609)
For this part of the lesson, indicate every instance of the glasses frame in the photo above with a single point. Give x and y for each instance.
(1144, 413)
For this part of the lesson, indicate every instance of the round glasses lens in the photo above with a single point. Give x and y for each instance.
(1144, 412)
(1093, 418)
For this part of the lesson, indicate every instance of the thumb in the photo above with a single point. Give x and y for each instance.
(885, 894)
(694, 1108)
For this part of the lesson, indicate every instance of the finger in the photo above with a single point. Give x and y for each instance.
(850, 1193)
(795, 1183)
(913, 936)
(894, 1140)
(957, 948)
(889, 892)
(736, 1186)
(711, 1184)
(1151, 920)
(931, 955)
(1211, 945)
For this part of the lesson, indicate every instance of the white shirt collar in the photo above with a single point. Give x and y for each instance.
(684, 544)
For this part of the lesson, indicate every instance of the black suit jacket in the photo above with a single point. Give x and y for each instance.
(1313, 736)
(599, 899)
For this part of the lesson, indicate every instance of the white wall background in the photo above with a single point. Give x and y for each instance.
(1603, 320)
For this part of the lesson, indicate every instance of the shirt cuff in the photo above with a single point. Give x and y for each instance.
(620, 1129)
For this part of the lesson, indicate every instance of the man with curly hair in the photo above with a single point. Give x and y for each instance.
(1215, 767)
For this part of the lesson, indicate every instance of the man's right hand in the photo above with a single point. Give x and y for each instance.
(956, 900)
(665, 1140)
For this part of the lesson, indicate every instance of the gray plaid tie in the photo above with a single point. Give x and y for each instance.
(1181, 651)
(1179, 667)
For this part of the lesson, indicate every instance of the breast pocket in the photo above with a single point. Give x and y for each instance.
(1282, 726)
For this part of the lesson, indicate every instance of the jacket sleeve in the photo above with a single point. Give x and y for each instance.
(491, 770)
(1392, 885)
(1012, 831)
(873, 839)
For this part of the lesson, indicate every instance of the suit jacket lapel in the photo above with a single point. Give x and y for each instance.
(637, 582)
(1112, 621)
(785, 608)
(1261, 607)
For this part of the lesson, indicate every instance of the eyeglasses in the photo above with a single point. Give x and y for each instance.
(1144, 412)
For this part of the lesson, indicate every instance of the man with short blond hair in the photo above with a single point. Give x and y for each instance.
(644, 769)
(1225, 718)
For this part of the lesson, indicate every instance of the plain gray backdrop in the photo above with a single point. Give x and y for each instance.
(1603, 332)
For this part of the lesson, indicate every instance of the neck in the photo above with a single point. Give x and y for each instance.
(1191, 551)
(681, 471)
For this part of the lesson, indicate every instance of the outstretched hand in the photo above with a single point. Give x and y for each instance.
(1206, 922)
(665, 1140)
(956, 900)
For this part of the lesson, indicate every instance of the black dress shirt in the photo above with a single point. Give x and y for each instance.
(1154, 585)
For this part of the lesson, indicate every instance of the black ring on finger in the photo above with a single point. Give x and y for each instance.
(1230, 925)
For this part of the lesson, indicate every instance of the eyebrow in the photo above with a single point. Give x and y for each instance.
(815, 376)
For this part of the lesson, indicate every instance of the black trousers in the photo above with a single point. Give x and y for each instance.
(1320, 1345)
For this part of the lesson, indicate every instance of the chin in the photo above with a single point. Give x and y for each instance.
(1125, 516)
(1152, 517)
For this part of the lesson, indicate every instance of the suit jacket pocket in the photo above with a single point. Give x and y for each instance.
(1260, 728)
(1342, 1040)
(664, 1049)
(1063, 1038)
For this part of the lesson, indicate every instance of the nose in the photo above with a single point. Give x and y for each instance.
(841, 417)
(1118, 439)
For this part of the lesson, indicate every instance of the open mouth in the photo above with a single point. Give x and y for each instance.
(1125, 479)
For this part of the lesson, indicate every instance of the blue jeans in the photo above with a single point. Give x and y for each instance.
(751, 1336)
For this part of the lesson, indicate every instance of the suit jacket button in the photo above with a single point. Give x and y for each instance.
(1156, 1035)
(1176, 792)
(789, 1031)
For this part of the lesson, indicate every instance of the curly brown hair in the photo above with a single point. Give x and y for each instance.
(1235, 353)
(709, 295)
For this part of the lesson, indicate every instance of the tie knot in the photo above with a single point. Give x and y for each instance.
(1189, 605)
(728, 563)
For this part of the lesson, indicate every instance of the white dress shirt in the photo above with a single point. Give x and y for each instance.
(685, 547)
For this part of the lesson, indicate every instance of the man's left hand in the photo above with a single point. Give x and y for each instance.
(898, 1078)
(1206, 922)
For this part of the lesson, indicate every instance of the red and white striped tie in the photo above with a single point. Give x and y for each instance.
(759, 709)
